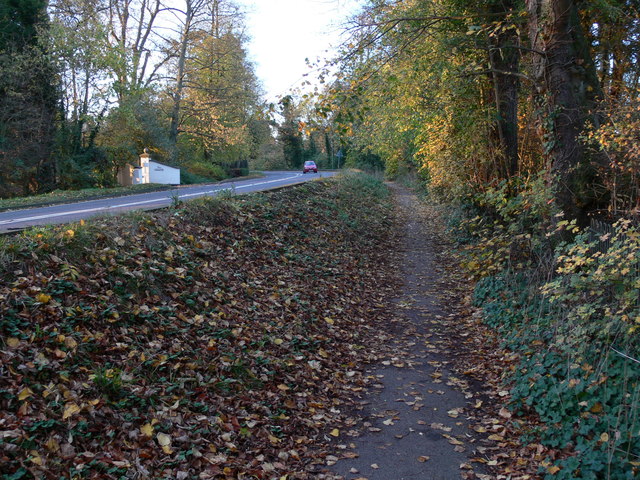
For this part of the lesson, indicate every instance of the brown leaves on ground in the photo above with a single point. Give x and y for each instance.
(482, 363)
(221, 340)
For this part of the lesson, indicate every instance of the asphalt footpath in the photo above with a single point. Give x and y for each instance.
(418, 412)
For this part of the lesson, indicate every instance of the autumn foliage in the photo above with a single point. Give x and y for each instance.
(220, 339)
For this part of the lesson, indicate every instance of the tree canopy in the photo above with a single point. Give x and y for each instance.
(87, 85)
(473, 94)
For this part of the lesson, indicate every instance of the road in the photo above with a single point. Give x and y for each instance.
(73, 212)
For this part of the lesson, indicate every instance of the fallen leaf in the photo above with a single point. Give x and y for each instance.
(504, 413)
(165, 442)
(25, 393)
(147, 430)
(43, 298)
(36, 458)
(70, 409)
(553, 469)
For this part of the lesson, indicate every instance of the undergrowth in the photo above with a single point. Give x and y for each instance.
(567, 301)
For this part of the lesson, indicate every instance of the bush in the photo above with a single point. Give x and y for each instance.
(509, 231)
(576, 335)
(200, 172)
(568, 302)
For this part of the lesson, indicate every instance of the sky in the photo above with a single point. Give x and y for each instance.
(285, 32)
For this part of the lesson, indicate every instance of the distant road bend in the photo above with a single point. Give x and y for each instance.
(73, 212)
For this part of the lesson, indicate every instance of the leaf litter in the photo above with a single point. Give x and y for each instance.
(225, 339)
(221, 339)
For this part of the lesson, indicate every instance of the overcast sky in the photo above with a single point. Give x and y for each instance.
(285, 32)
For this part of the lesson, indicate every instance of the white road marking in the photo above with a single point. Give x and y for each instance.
(132, 204)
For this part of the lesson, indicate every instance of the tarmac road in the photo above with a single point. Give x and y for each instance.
(72, 212)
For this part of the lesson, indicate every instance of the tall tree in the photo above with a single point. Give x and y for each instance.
(289, 133)
(220, 95)
(504, 62)
(28, 98)
(188, 22)
(136, 43)
(568, 89)
(79, 43)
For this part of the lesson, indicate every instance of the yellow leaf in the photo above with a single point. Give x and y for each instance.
(35, 457)
(53, 445)
(278, 341)
(69, 410)
(283, 387)
(335, 432)
(604, 438)
(330, 321)
(147, 430)
(13, 342)
(25, 393)
(43, 298)
(167, 449)
(163, 439)
(70, 233)
(553, 469)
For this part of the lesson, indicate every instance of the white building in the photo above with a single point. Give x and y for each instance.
(148, 171)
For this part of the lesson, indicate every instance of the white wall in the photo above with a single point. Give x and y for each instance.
(159, 173)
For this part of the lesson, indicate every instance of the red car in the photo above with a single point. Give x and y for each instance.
(310, 166)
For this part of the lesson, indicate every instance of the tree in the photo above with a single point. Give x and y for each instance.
(289, 133)
(220, 96)
(137, 47)
(504, 59)
(193, 9)
(78, 42)
(568, 88)
(28, 99)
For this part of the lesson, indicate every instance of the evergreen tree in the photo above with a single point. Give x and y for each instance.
(28, 99)
(289, 134)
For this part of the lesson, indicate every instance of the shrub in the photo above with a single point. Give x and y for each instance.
(509, 230)
(200, 172)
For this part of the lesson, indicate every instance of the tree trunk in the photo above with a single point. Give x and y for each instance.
(177, 95)
(567, 86)
(504, 57)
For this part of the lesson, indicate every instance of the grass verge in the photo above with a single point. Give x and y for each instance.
(223, 338)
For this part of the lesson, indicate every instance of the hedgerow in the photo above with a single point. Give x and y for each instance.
(567, 301)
